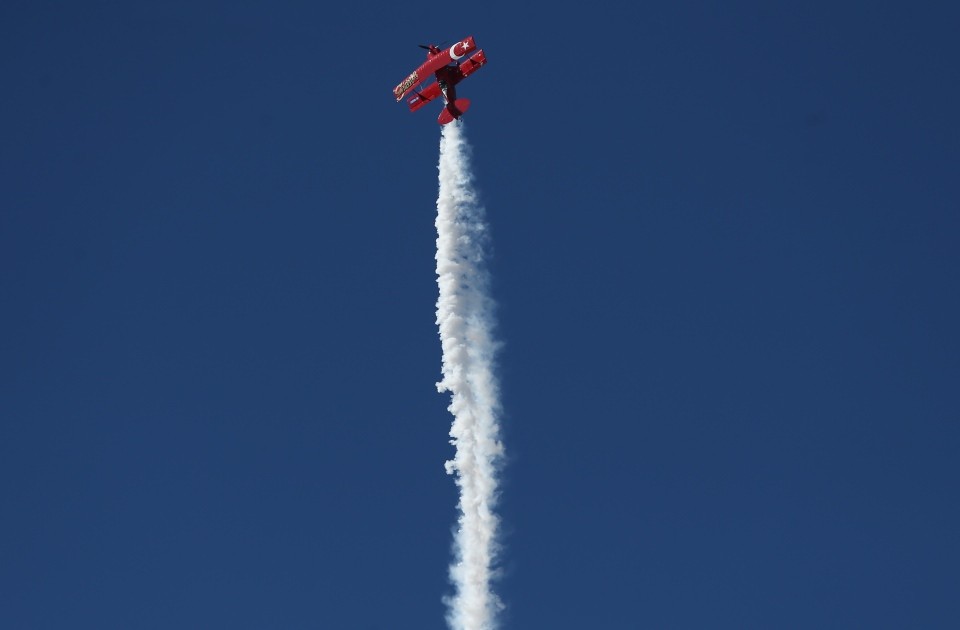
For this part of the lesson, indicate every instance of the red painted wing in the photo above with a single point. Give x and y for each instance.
(421, 98)
(472, 64)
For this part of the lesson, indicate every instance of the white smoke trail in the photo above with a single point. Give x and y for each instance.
(465, 320)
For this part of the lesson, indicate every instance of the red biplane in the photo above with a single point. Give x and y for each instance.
(450, 67)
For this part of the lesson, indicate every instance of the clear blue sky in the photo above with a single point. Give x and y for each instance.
(725, 253)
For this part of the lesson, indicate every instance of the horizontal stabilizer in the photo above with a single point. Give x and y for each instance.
(453, 111)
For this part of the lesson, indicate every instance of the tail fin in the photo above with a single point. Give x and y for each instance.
(453, 111)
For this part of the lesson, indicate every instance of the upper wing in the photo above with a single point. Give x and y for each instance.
(408, 84)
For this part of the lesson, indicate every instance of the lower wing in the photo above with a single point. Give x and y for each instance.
(424, 96)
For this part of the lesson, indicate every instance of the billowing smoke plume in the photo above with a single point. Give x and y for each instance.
(465, 319)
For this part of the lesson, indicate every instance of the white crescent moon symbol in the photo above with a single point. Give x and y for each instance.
(453, 54)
